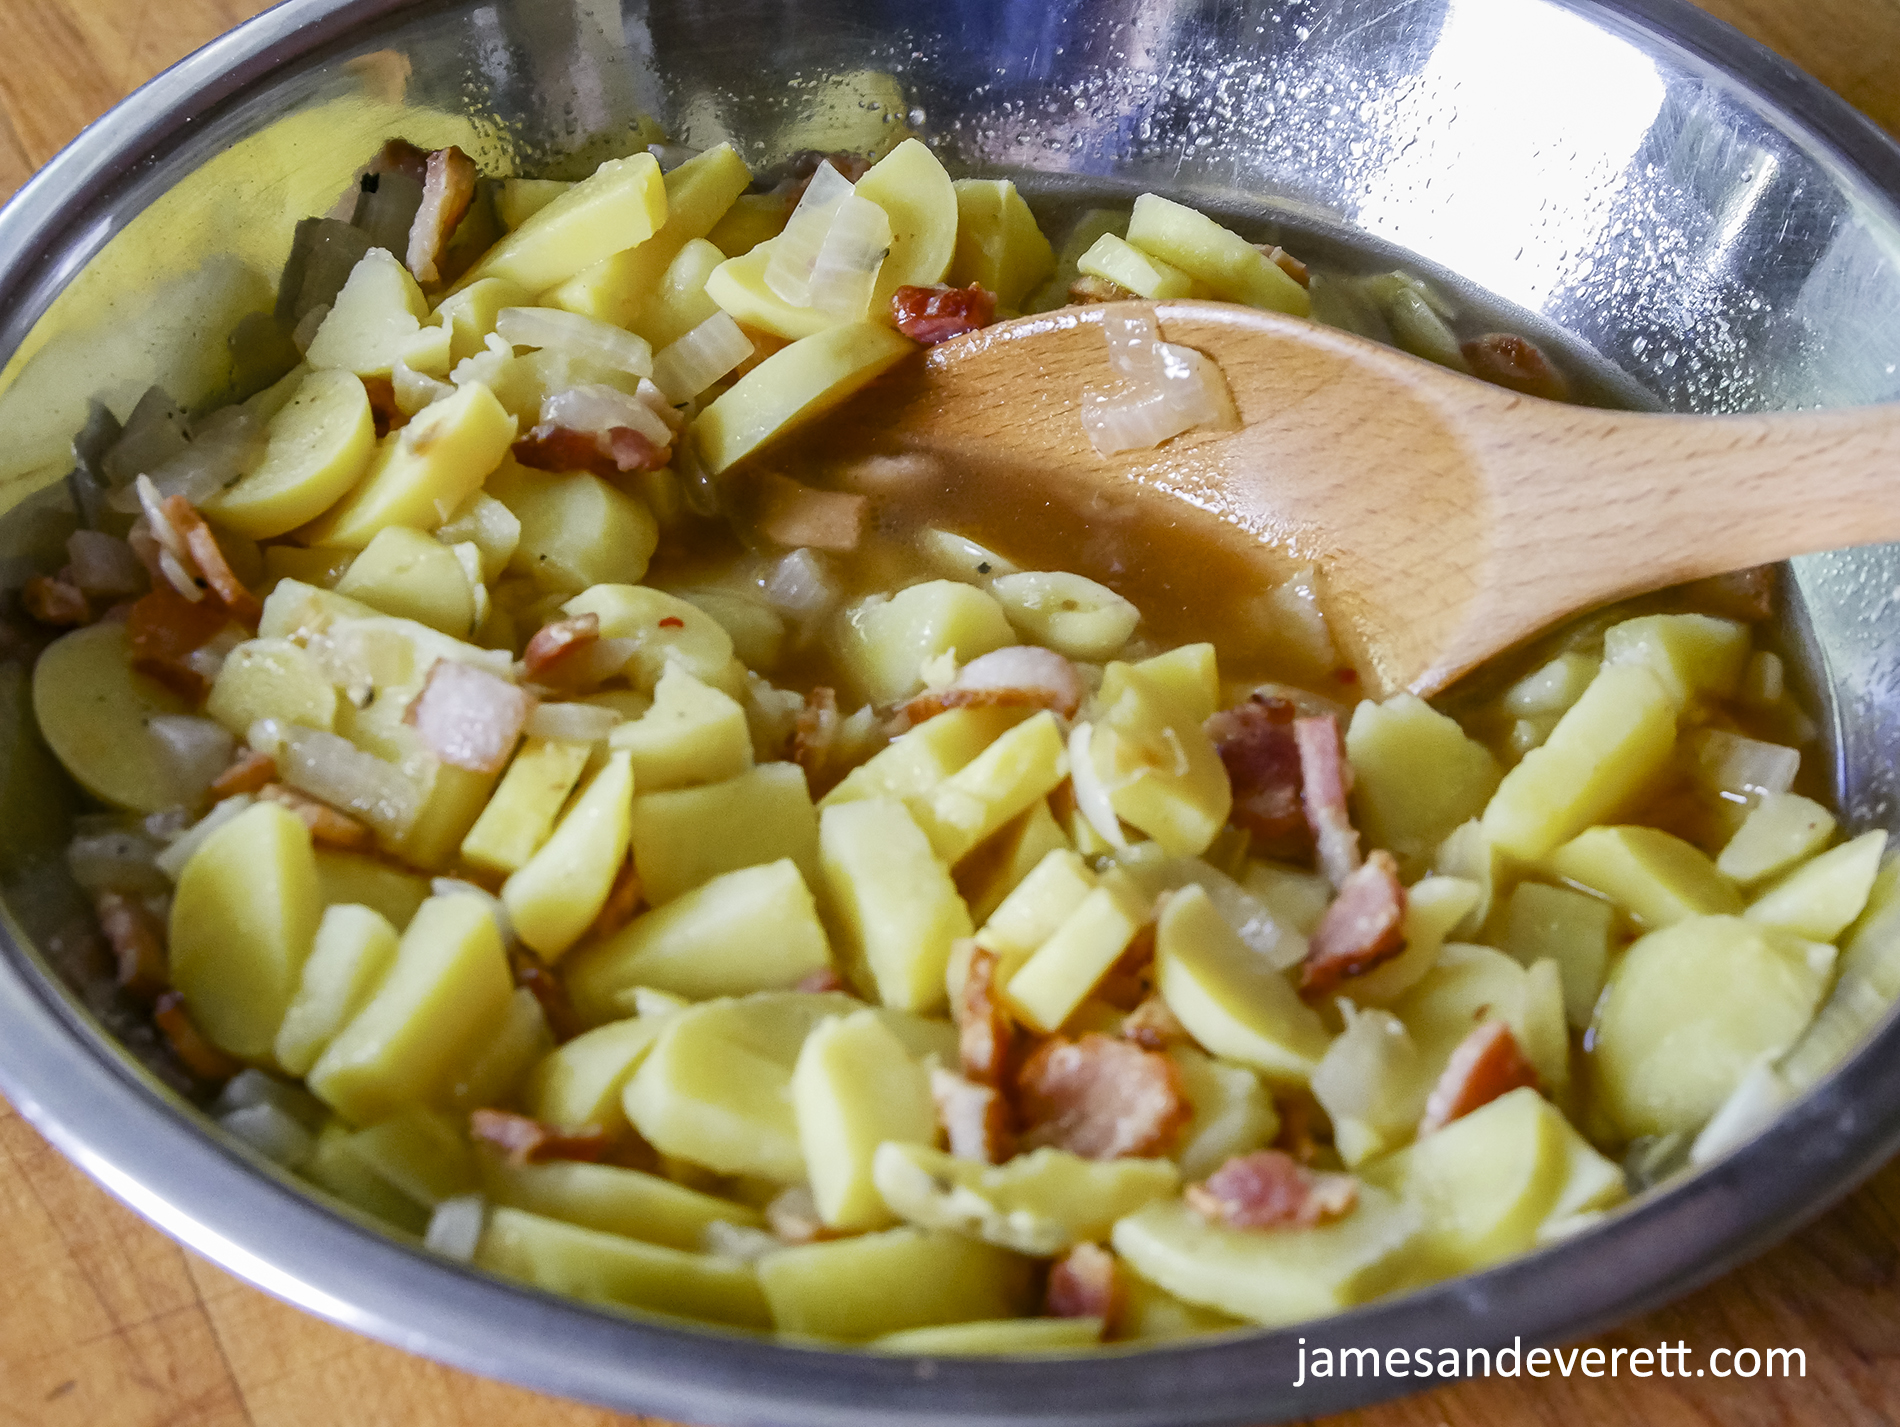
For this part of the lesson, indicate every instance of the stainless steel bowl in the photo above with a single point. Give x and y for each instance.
(1693, 209)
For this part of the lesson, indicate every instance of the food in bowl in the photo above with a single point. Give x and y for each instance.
(569, 823)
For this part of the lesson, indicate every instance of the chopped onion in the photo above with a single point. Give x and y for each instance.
(961, 558)
(486, 365)
(1743, 770)
(572, 723)
(104, 564)
(414, 391)
(256, 1087)
(219, 452)
(1091, 794)
(1278, 943)
(800, 585)
(1760, 1095)
(335, 771)
(1166, 389)
(600, 409)
(194, 751)
(1371, 1072)
(304, 335)
(154, 433)
(455, 1228)
(688, 366)
(795, 251)
(173, 859)
(151, 503)
(498, 909)
(117, 861)
(845, 273)
(727, 1240)
(661, 407)
(575, 335)
(270, 1132)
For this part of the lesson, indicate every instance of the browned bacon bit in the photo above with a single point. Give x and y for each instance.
(1507, 360)
(382, 406)
(1023, 676)
(1100, 1098)
(163, 629)
(564, 1022)
(401, 156)
(623, 900)
(936, 314)
(814, 736)
(468, 717)
(1152, 1026)
(448, 188)
(796, 516)
(1262, 758)
(985, 1033)
(616, 453)
(1364, 926)
(556, 644)
(977, 1120)
(1271, 1190)
(209, 558)
(1086, 1282)
(528, 1141)
(1286, 263)
(1087, 289)
(824, 979)
(328, 827)
(248, 775)
(672, 621)
(188, 1043)
(1325, 780)
(631, 451)
(1747, 595)
(56, 602)
(138, 942)
(1486, 1064)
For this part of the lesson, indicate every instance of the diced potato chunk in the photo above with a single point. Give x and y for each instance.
(1029, 915)
(738, 287)
(895, 908)
(666, 630)
(1019, 769)
(450, 985)
(243, 920)
(1601, 756)
(999, 244)
(859, 1288)
(1416, 776)
(1231, 267)
(752, 930)
(1820, 899)
(1781, 830)
(554, 898)
(1045, 991)
(1152, 1314)
(1553, 688)
(472, 313)
(612, 1200)
(577, 531)
(623, 203)
(692, 734)
(912, 187)
(1569, 928)
(886, 642)
(1160, 769)
(680, 302)
(999, 866)
(520, 816)
(1228, 998)
(1470, 985)
(334, 1165)
(510, 1048)
(579, 1084)
(854, 1088)
(419, 1153)
(272, 678)
(584, 1263)
(1693, 655)
(352, 953)
(346, 877)
(1655, 876)
(754, 218)
(917, 761)
(1690, 1008)
(1189, 676)
(689, 836)
(404, 573)
(319, 445)
(1233, 1113)
(1271, 1278)
(1141, 273)
(376, 322)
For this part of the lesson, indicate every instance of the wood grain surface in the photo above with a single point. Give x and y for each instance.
(110, 1324)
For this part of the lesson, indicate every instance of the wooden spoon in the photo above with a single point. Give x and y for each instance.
(1450, 519)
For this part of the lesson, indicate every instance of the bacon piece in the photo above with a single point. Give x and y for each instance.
(1262, 757)
(401, 156)
(54, 601)
(633, 451)
(448, 188)
(1086, 289)
(936, 314)
(814, 736)
(250, 774)
(1288, 264)
(985, 1033)
(1271, 1190)
(609, 454)
(564, 1022)
(188, 1043)
(824, 979)
(1364, 926)
(383, 410)
(558, 643)
(1487, 1064)
(468, 717)
(976, 1119)
(1086, 1282)
(1325, 780)
(1023, 676)
(1507, 360)
(794, 515)
(1100, 1098)
(1747, 595)
(328, 827)
(212, 566)
(528, 1141)
(138, 943)
(623, 900)
(163, 629)
(1152, 1026)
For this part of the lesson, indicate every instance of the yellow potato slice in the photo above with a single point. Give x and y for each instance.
(377, 322)
(680, 302)
(354, 949)
(93, 712)
(896, 911)
(874, 1284)
(1143, 274)
(911, 186)
(613, 1200)
(1231, 267)
(519, 199)
(622, 204)
(738, 287)
(404, 573)
(580, 1084)
(855, 1088)
(471, 314)
(519, 818)
(272, 678)
(999, 244)
(318, 446)
(555, 897)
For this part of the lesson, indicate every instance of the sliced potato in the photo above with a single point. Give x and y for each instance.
(1120, 262)
(612, 1200)
(1233, 1113)
(352, 953)
(688, 836)
(1230, 266)
(577, 531)
(911, 186)
(666, 630)
(885, 643)
(855, 1089)
(520, 816)
(95, 714)
(680, 303)
(1020, 769)
(895, 908)
(1693, 655)
(1047, 988)
(621, 204)
(1655, 876)
(318, 446)
(1820, 899)
(1781, 830)
(404, 573)
(376, 322)
(692, 734)
(557, 894)
(272, 678)
(999, 1337)
(1416, 776)
(578, 1086)
(864, 1287)
(1000, 246)
(919, 760)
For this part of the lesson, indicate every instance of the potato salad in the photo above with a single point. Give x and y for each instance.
(568, 822)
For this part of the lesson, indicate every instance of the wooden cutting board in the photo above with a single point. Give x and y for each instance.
(110, 1324)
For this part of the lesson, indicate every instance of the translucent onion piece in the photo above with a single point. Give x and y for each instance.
(1370, 1073)
(727, 1240)
(800, 585)
(270, 1132)
(844, 275)
(575, 335)
(154, 433)
(207, 660)
(335, 771)
(662, 408)
(104, 564)
(1166, 389)
(414, 391)
(600, 409)
(195, 751)
(485, 366)
(1091, 794)
(572, 723)
(694, 362)
(148, 501)
(455, 1228)
(1743, 770)
(173, 859)
(220, 451)
(115, 862)
(1132, 338)
(1760, 1095)
(256, 1087)
(795, 251)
